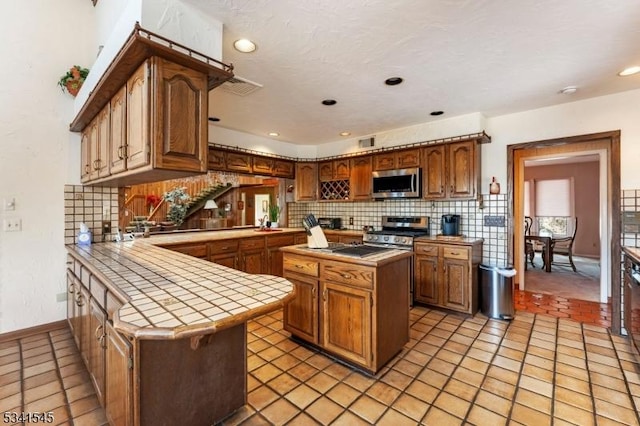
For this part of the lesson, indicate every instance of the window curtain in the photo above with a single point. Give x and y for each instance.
(554, 197)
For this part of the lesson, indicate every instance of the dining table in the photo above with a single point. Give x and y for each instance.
(547, 255)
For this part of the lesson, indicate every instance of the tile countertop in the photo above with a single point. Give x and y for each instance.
(169, 295)
(633, 252)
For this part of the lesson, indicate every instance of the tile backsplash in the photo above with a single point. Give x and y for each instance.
(369, 214)
(89, 205)
(630, 203)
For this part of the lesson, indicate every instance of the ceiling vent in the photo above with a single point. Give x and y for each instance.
(366, 143)
(240, 86)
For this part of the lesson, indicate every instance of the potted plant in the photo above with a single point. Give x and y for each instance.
(74, 78)
(274, 213)
(177, 199)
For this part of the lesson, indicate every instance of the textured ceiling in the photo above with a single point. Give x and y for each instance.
(488, 56)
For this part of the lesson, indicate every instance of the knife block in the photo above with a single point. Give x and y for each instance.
(317, 239)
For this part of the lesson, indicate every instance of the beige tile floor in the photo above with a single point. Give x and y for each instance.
(534, 370)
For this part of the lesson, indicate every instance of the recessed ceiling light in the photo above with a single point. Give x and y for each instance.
(329, 102)
(214, 119)
(569, 90)
(345, 133)
(274, 134)
(244, 45)
(393, 81)
(629, 71)
(434, 113)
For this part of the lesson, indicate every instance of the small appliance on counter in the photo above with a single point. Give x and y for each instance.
(450, 224)
(315, 235)
(330, 222)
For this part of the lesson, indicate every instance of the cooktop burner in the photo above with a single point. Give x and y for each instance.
(399, 231)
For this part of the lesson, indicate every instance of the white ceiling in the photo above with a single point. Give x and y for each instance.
(458, 56)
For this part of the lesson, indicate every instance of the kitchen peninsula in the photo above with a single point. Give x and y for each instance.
(163, 334)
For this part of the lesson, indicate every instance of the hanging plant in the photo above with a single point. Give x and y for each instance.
(74, 78)
(177, 199)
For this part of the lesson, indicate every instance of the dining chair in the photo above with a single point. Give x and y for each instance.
(564, 246)
(529, 251)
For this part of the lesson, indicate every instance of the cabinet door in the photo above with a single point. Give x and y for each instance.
(104, 137)
(456, 284)
(216, 159)
(238, 162)
(94, 147)
(119, 385)
(341, 169)
(408, 158)
(252, 261)
(229, 260)
(360, 179)
(118, 132)
(275, 257)
(137, 117)
(72, 317)
(462, 173)
(97, 351)
(386, 161)
(262, 165)
(82, 302)
(346, 328)
(306, 181)
(180, 125)
(85, 155)
(283, 168)
(325, 171)
(301, 314)
(434, 175)
(426, 280)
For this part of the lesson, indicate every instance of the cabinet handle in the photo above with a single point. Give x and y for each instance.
(346, 276)
(71, 288)
(441, 189)
(299, 266)
(225, 248)
(86, 168)
(120, 155)
(79, 301)
(313, 292)
(454, 253)
(98, 330)
(451, 189)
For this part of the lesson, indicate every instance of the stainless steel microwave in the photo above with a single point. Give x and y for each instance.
(399, 183)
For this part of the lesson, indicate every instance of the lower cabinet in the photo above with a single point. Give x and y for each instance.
(274, 255)
(97, 345)
(252, 255)
(358, 313)
(119, 386)
(224, 253)
(446, 274)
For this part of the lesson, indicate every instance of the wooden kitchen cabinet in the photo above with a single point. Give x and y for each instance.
(360, 179)
(356, 312)
(118, 132)
(224, 253)
(445, 274)
(238, 162)
(97, 345)
(274, 255)
(118, 397)
(347, 322)
(82, 303)
(401, 159)
(306, 185)
(94, 147)
(252, 255)
(452, 171)
(137, 115)
(334, 170)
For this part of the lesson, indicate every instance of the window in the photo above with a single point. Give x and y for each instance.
(554, 205)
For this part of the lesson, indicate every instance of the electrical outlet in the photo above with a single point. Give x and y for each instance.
(12, 225)
(106, 227)
(351, 221)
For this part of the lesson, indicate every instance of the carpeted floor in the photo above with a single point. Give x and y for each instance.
(562, 281)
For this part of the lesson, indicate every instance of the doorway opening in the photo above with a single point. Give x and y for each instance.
(606, 146)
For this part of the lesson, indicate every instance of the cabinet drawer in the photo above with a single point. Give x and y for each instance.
(353, 275)
(280, 241)
(426, 249)
(300, 265)
(224, 246)
(251, 243)
(456, 253)
(195, 250)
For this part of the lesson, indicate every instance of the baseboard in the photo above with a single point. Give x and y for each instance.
(42, 328)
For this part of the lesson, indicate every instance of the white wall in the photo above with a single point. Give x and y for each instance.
(35, 153)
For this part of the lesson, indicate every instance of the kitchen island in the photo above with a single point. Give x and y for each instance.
(354, 308)
(163, 334)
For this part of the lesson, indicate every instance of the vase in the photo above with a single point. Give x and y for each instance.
(73, 87)
(274, 225)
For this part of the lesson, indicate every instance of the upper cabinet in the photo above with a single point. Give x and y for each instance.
(334, 170)
(400, 159)
(306, 181)
(146, 119)
(360, 180)
(248, 163)
(452, 171)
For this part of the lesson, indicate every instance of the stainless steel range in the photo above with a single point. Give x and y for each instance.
(398, 232)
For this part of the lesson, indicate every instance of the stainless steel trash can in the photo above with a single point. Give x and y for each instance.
(496, 290)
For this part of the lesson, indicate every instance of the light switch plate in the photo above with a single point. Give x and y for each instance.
(497, 221)
(9, 204)
(12, 225)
